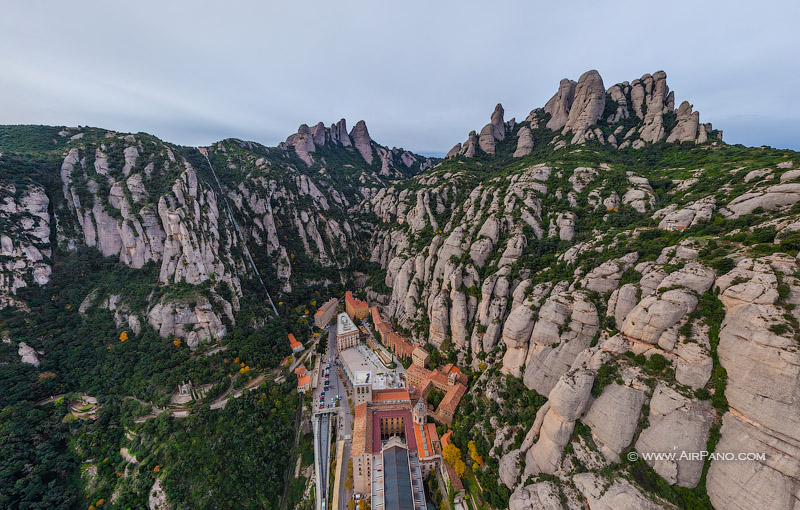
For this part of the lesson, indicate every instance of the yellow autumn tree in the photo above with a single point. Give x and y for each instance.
(473, 452)
(362, 504)
(123, 336)
(460, 468)
(452, 455)
(176, 342)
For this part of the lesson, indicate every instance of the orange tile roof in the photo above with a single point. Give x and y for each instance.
(362, 430)
(427, 441)
(324, 307)
(300, 371)
(302, 381)
(376, 316)
(452, 398)
(446, 438)
(293, 341)
(355, 303)
(394, 394)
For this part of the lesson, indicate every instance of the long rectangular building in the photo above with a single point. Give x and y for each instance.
(326, 312)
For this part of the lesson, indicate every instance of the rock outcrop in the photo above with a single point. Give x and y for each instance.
(493, 132)
(524, 142)
(677, 425)
(560, 104)
(614, 417)
(567, 401)
(763, 390)
(587, 107)
(362, 141)
(24, 240)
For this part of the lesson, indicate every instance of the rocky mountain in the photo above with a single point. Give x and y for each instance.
(394, 162)
(615, 279)
(628, 114)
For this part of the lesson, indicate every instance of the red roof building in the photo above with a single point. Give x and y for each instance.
(355, 308)
(294, 344)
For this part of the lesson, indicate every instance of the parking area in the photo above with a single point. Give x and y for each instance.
(361, 358)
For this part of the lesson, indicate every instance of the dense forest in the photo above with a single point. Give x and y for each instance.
(231, 457)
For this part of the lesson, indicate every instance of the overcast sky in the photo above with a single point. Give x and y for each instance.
(421, 73)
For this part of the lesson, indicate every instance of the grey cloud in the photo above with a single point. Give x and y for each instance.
(422, 74)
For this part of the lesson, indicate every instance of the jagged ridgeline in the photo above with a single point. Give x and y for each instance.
(611, 275)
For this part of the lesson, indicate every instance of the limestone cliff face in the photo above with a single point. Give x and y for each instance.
(461, 258)
(119, 212)
(24, 240)
(763, 391)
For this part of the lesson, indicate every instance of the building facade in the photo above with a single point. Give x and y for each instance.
(355, 308)
(419, 357)
(325, 313)
(393, 450)
(346, 332)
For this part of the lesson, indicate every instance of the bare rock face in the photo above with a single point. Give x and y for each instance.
(587, 107)
(620, 495)
(640, 195)
(655, 98)
(763, 390)
(517, 330)
(613, 418)
(493, 132)
(560, 104)
(486, 139)
(677, 424)
(606, 276)
(654, 320)
(24, 239)
(362, 141)
(189, 218)
(491, 310)
(673, 217)
(770, 198)
(686, 129)
(567, 400)
(318, 134)
(157, 499)
(537, 496)
(27, 354)
(524, 142)
(454, 151)
(338, 133)
(567, 323)
(303, 143)
(468, 148)
(649, 320)
(693, 363)
(195, 323)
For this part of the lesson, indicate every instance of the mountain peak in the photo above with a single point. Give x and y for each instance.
(627, 114)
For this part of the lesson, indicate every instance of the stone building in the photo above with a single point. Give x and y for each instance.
(325, 313)
(355, 308)
(346, 332)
